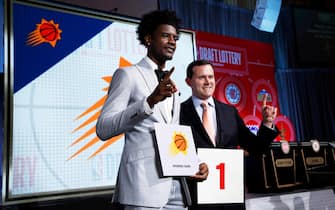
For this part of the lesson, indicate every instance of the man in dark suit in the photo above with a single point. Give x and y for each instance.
(227, 128)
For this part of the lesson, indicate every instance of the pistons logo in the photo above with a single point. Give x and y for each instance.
(233, 93)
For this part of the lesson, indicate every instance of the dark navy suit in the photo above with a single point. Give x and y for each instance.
(231, 133)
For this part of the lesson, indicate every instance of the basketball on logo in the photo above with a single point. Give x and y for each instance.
(180, 142)
(48, 31)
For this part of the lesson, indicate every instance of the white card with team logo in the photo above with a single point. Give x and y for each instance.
(176, 149)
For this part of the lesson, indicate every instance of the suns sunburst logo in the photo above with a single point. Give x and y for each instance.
(96, 110)
(46, 31)
(179, 144)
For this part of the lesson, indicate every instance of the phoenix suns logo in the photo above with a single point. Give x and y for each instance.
(179, 144)
(46, 31)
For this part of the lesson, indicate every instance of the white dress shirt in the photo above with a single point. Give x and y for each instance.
(168, 102)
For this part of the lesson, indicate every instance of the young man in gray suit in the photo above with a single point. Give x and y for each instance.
(136, 100)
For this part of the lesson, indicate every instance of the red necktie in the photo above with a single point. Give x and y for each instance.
(207, 121)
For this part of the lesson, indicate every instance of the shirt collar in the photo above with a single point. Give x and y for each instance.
(152, 64)
(197, 101)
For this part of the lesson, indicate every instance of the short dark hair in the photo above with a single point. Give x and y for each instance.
(152, 20)
(189, 70)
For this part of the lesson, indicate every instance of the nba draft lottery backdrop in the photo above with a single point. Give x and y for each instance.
(244, 72)
(63, 64)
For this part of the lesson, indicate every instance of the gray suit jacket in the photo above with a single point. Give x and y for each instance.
(138, 181)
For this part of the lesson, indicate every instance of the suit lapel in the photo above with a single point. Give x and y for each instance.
(220, 125)
(162, 111)
(150, 79)
(176, 107)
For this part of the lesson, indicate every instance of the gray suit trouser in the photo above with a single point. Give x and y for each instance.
(175, 202)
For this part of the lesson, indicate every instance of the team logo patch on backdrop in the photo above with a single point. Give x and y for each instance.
(259, 89)
(46, 31)
(286, 129)
(231, 90)
(233, 93)
(252, 122)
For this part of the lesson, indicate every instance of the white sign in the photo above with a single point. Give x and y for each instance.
(176, 150)
(225, 182)
(54, 149)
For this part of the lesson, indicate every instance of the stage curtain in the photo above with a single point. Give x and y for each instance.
(306, 96)
(216, 17)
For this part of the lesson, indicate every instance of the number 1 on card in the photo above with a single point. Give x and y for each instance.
(221, 167)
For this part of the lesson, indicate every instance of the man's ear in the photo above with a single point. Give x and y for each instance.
(188, 81)
(147, 39)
